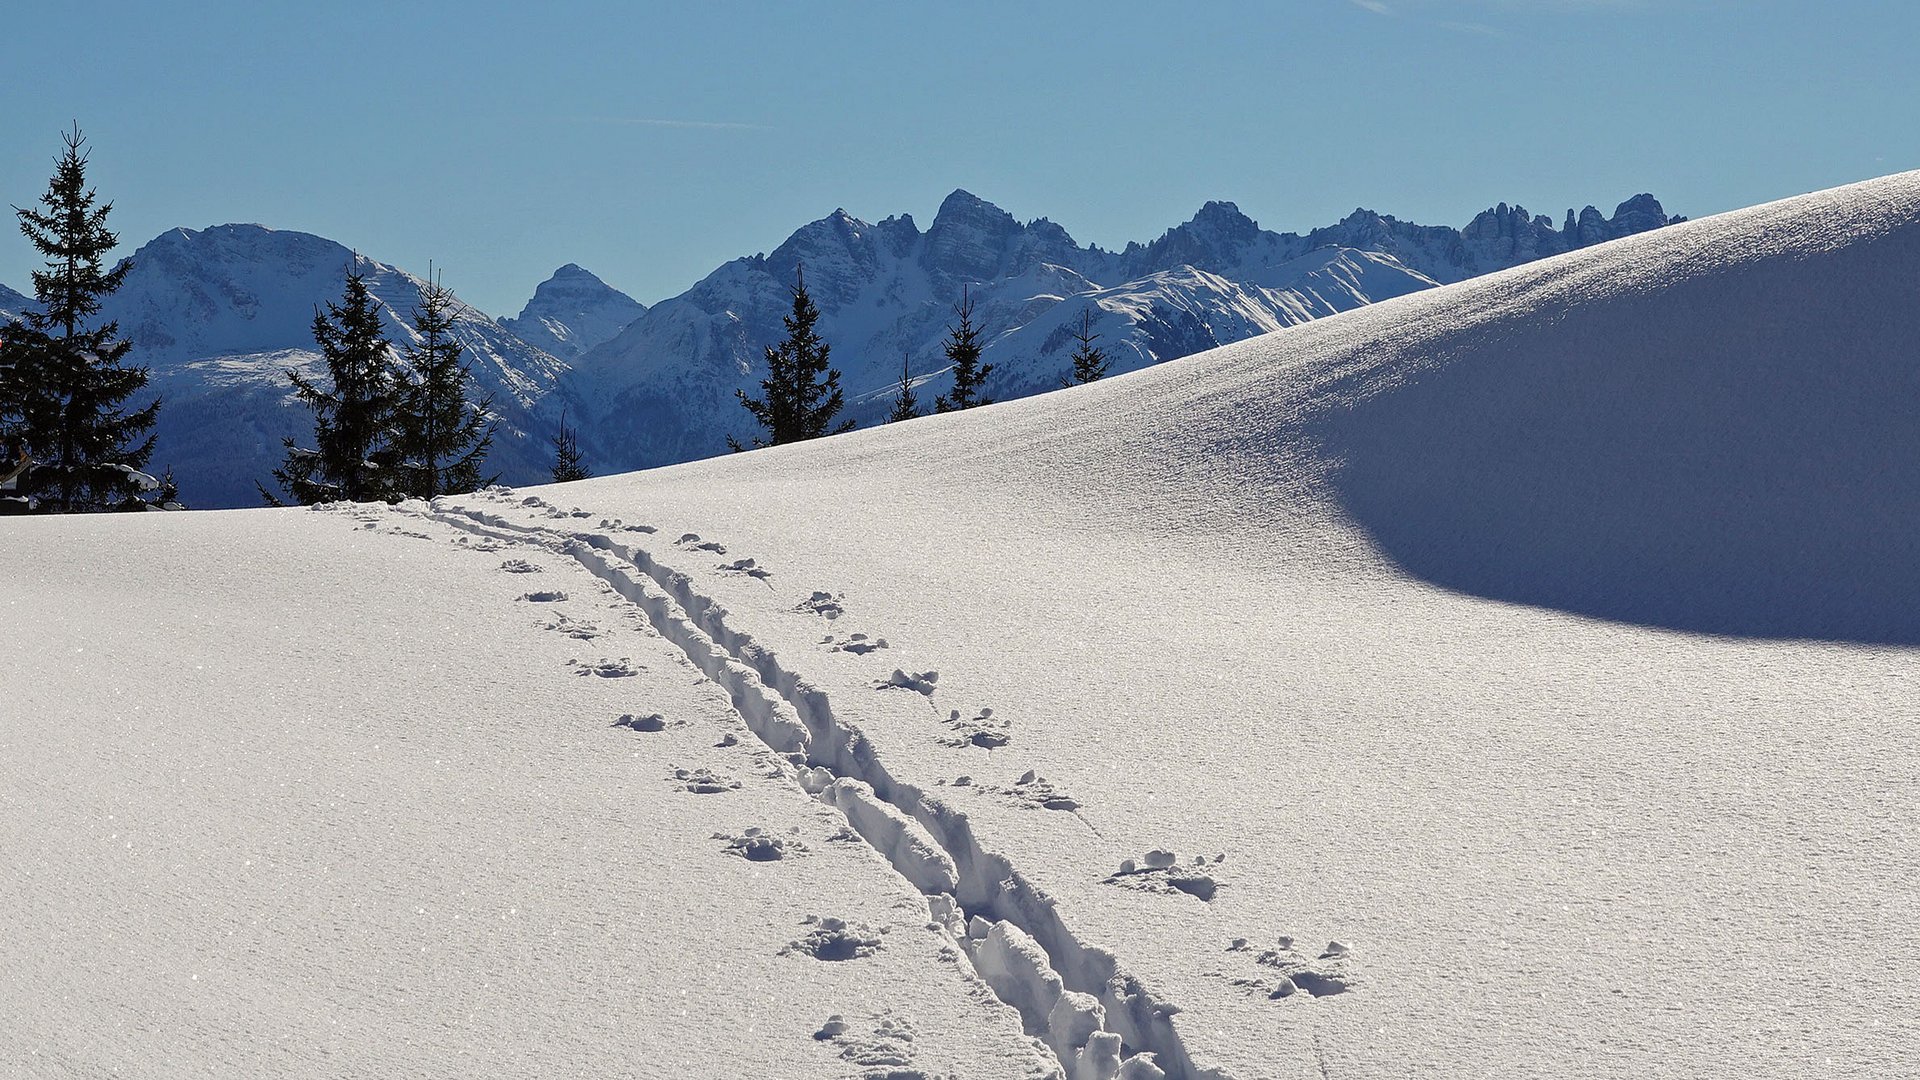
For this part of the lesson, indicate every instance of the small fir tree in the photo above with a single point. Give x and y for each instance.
(441, 437)
(169, 496)
(963, 352)
(1089, 360)
(566, 454)
(63, 387)
(352, 457)
(906, 405)
(802, 389)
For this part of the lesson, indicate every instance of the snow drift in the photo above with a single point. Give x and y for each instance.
(1328, 704)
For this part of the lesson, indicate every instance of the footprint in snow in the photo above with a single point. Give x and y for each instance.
(1032, 791)
(883, 1054)
(705, 781)
(836, 940)
(519, 566)
(616, 525)
(1159, 871)
(986, 731)
(543, 597)
(579, 629)
(623, 668)
(1286, 971)
(757, 845)
(823, 604)
(651, 722)
(746, 567)
(918, 682)
(857, 644)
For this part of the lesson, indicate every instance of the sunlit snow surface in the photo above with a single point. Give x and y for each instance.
(1544, 641)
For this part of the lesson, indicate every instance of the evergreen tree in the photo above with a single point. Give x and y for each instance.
(352, 457)
(566, 455)
(169, 496)
(802, 389)
(1089, 360)
(963, 351)
(62, 385)
(906, 405)
(441, 437)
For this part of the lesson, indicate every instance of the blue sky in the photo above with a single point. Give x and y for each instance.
(650, 143)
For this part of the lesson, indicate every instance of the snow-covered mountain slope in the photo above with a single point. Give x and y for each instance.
(219, 315)
(12, 304)
(573, 311)
(886, 292)
(1201, 693)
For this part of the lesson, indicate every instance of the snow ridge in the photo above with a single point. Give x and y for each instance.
(1078, 999)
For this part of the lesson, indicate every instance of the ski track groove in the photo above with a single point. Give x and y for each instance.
(790, 715)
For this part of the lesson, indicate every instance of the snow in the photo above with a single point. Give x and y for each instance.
(1541, 644)
(219, 314)
(573, 311)
(12, 305)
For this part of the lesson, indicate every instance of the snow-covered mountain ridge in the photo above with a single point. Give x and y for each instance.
(219, 314)
(12, 304)
(886, 292)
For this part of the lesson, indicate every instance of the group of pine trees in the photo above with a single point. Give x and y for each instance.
(385, 431)
(72, 443)
(801, 397)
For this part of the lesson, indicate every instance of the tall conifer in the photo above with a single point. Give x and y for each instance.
(352, 457)
(65, 388)
(802, 388)
(441, 437)
(963, 352)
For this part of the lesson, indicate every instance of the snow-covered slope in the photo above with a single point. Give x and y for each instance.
(1228, 711)
(219, 315)
(886, 292)
(12, 303)
(573, 311)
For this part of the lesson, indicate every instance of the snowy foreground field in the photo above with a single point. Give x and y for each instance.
(1546, 641)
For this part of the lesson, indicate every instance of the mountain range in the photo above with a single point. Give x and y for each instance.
(886, 292)
(220, 314)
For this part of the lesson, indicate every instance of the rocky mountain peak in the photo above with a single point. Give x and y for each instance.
(839, 254)
(573, 311)
(968, 241)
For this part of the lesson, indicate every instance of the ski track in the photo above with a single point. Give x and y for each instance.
(1075, 997)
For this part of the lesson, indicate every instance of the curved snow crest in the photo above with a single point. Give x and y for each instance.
(1706, 429)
